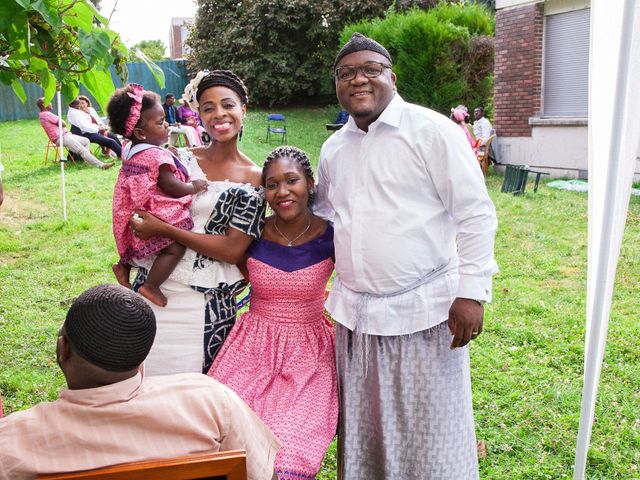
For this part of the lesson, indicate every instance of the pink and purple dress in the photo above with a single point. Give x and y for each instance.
(280, 358)
(137, 189)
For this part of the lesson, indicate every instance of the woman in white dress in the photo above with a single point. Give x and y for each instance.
(227, 217)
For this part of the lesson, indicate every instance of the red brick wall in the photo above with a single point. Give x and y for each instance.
(176, 47)
(518, 69)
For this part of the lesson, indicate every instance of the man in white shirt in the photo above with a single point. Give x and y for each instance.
(414, 235)
(481, 125)
(86, 126)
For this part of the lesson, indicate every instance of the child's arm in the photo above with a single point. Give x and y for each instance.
(173, 187)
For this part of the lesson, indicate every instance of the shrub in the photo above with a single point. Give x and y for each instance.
(283, 50)
(442, 57)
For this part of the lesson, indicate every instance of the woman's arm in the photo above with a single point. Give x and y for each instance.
(228, 248)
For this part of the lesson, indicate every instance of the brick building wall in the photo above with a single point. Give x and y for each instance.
(176, 42)
(518, 69)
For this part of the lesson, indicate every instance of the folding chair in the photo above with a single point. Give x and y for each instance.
(231, 465)
(276, 124)
(56, 152)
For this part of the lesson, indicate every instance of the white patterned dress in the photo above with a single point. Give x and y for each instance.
(201, 291)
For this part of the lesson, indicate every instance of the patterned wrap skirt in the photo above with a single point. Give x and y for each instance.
(405, 407)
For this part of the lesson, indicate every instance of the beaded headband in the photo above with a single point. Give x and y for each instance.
(134, 113)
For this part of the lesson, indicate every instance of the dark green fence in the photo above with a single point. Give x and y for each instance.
(175, 74)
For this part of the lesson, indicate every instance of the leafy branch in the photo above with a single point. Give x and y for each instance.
(60, 44)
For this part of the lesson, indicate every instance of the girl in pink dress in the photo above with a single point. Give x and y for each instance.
(151, 179)
(279, 357)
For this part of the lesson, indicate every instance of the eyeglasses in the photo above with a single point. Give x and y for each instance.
(369, 69)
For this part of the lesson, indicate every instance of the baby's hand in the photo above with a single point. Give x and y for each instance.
(173, 150)
(199, 185)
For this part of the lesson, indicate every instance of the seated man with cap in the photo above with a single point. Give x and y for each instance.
(111, 414)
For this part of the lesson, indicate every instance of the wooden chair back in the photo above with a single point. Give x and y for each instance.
(229, 465)
(483, 155)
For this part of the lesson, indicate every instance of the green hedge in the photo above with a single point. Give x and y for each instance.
(442, 57)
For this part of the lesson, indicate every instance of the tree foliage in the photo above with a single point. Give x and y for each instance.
(153, 49)
(283, 50)
(442, 57)
(60, 44)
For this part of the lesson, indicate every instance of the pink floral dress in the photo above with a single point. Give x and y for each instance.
(279, 357)
(137, 189)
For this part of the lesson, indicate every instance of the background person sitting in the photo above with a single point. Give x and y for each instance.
(188, 116)
(172, 117)
(86, 107)
(75, 143)
(481, 125)
(89, 128)
(110, 414)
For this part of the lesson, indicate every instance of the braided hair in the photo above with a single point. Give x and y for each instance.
(299, 157)
(224, 78)
(119, 107)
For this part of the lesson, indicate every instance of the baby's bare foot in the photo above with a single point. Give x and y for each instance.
(153, 294)
(122, 274)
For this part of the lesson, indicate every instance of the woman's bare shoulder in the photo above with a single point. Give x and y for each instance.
(253, 173)
(254, 176)
(197, 152)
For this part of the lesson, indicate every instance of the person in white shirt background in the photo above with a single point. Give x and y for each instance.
(414, 237)
(91, 128)
(481, 125)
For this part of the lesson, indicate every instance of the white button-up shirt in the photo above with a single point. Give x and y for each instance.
(414, 225)
(482, 129)
(82, 120)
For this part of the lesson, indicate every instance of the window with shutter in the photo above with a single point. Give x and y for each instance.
(566, 64)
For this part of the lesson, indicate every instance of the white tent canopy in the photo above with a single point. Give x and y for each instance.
(614, 144)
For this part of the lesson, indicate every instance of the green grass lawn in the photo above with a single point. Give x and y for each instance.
(526, 367)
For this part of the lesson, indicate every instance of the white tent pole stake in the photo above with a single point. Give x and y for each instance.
(61, 151)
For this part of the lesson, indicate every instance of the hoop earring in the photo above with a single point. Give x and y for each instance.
(240, 133)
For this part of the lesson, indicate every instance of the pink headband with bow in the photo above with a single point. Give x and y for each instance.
(134, 113)
(458, 114)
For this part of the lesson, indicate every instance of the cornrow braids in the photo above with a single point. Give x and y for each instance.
(223, 78)
(119, 107)
(300, 158)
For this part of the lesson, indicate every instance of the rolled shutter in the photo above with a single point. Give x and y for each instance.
(566, 64)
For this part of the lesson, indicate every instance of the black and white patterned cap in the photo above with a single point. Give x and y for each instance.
(359, 42)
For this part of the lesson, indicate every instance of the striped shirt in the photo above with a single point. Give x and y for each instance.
(132, 420)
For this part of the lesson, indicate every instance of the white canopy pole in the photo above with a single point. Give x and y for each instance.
(614, 138)
(61, 147)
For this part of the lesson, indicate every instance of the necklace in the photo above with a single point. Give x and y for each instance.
(290, 242)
